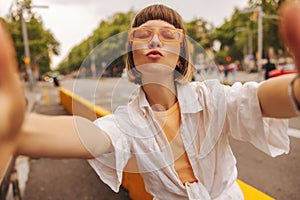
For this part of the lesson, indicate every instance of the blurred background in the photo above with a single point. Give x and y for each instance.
(53, 38)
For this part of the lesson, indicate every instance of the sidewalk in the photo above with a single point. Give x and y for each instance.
(240, 76)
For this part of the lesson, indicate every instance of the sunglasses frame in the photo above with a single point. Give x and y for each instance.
(156, 31)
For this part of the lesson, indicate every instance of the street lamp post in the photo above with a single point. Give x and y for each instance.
(259, 38)
(26, 58)
(260, 16)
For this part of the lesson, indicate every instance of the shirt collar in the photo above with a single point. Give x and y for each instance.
(187, 98)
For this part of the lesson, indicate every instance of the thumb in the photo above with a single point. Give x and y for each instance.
(8, 65)
(289, 28)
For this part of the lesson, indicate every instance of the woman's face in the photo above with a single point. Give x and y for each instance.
(159, 54)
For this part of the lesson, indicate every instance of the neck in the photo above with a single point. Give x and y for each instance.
(161, 96)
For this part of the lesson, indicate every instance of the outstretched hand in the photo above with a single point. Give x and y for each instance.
(12, 98)
(289, 28)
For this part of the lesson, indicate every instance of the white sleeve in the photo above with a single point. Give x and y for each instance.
(247, 123)
(109, 166)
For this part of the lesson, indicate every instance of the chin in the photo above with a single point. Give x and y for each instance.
(155, 69)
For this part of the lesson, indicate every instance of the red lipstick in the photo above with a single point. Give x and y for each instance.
(154, 54)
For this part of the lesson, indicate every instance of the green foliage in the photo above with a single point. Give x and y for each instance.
(200, 31)
(41, 42)
(111, 38)
(236, 33)
(220, 57)
(107, 40)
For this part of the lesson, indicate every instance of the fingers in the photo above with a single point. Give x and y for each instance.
(8, 65)
(11, 91)
(289, 28)
(9, 76)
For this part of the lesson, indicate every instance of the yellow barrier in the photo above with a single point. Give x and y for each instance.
(133, 182)
(250, 193)
(79, 106)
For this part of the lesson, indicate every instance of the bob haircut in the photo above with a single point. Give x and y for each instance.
(184, 71)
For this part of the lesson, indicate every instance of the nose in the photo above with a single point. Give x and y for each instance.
(155, 42)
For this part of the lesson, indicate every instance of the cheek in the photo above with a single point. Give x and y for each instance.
(175, 49)
(139, 46)
(137, 51)
(137, 56)
(172, 53)
(172, 50)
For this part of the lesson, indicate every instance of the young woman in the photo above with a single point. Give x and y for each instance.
(176, 130)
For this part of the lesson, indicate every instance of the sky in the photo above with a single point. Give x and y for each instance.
(72, 21)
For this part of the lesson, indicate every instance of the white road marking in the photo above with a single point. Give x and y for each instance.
(294, 132)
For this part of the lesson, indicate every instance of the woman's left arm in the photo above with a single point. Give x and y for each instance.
(279, 96)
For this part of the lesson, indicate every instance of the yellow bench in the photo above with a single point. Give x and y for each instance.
(133, 182)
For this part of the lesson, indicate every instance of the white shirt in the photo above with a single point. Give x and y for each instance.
(210, 113)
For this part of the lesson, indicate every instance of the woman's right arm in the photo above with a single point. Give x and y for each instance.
(61, 137)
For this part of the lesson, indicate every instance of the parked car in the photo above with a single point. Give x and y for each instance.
(283, 69)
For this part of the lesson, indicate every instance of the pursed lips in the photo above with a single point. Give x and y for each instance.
(154, 54)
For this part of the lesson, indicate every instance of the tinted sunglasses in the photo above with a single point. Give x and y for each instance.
(165, 34)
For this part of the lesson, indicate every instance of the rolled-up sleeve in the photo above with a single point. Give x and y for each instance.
(109, 166)
(246, 122)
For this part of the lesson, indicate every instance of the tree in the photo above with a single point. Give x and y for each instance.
(109, 43)
(200, 30)
(42, 43)
(235, 41)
